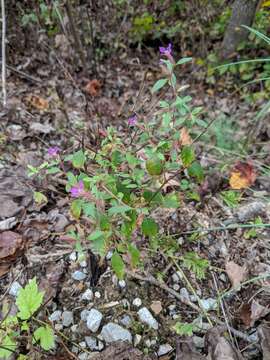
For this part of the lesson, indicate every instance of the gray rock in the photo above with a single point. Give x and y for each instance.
(67, 318)
(83, 264)
(122, 284)
(39, 128)
(176, 287)
(208, 304)
(83, 356)
(249, 211)
(56, 315)
(184, 293)
(78, 275)
(114, 332)
(8, 223)
(84, 314)
(93, 343)
(137, 302)
(164, 349)
(88, 295)
(126, 321)
(93, 320)
(147, 318)
(15, 288)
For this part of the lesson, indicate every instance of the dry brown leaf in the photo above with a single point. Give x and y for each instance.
(242, 176)
(264, 336)
(185, 138)
(245, 314)
(257, 312)
(11, 246)
(219, 347)
(236, 273)
(156, 307)
(37, 102)
(170, 183)
(93, 87)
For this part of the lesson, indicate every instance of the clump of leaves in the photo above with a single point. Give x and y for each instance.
(28, 301)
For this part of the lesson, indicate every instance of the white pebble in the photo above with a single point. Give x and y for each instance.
(87, 295)
(164, 349)
(97, 294)
(73, 256)
(15, 288)
(137, 302)
(93, 320)
(122, 284)
(147, 318)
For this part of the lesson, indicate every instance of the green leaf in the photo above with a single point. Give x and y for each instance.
(40, 198)
(78, 159)
(29, 300)
(9, 346)
(89, 209)
(171, 201)
(159, 85)
(157, 199)
(53, 170)
(196, 264)
(149, 227)
(195, 170)
(134, 254)
(183, 61)
(184, 329)
(118, 209)
(76, 208)
(118, 265)
(187, 155)
(98, 242)
(117, 158)
(45, 335)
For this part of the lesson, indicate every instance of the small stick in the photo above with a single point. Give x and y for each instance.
(4, 89)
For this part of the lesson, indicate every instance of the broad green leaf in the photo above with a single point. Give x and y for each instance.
(9, 346)
(29, 300)
(149, 227)
(159, 85)
(157, 199)
(134, 254)
(187, 155)
(117, 158)
(118, 209)
(98, 242)
(40, 198)
(45, 336)
(171, 201)
(195, 170)
(53, 170)
(76, 208)
(118, 265)
(89, 209)
(183, 61)
(78, 159)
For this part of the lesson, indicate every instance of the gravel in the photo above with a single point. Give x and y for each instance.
(137, 302)
(164, 349)
(126, 321)
(78, 275)
(114, 332)
(147, 318)
(93, 320)
(93, 343)
(84, 314)
(67, 318)
(208, 304)
(15, 288)
(88, 295)
(56, 315)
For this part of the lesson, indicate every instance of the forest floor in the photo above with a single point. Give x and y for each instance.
(53, 108)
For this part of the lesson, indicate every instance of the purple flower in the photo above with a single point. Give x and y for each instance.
(53, 151)
(167, 51)
(132, 120)
(77, 190)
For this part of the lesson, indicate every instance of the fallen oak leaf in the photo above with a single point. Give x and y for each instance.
(93, 87)
(237, 274)
(257, 312)
(37, 102)
(242, 176)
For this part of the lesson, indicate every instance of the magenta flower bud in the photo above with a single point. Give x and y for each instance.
(167, 51)
(132, 120)
(53, 151)
(77, 190)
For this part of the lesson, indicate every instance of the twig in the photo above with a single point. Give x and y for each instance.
(4, 89)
